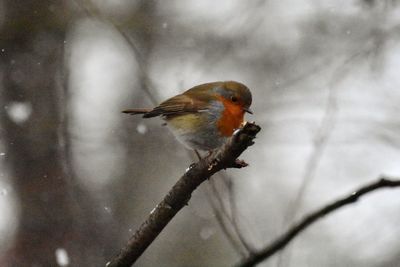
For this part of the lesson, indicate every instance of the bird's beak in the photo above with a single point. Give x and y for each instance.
(248, 110)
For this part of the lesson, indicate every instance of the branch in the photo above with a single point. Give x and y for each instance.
(179, 195)
(284, 239)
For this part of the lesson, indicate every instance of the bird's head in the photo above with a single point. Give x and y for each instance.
(236, 94)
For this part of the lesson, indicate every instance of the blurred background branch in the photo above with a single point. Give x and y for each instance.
(311, 218)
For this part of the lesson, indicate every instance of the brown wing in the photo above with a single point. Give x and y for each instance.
(180, 104)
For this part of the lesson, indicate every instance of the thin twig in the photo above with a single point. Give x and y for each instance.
(234, 215)
(229, 215)
(309, 219)
(223, 219)
(180, 194)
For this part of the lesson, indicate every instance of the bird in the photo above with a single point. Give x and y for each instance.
(203, 117)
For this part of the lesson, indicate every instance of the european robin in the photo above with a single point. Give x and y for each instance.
(205, 116)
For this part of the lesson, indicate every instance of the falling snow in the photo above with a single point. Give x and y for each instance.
(3, 192)
(141, 128)
(207, 232)
(19, 112)
(62, 257)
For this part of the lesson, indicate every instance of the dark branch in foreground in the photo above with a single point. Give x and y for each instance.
(284, 239)
(179, 195)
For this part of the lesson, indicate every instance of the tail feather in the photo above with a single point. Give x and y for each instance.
(135, 111)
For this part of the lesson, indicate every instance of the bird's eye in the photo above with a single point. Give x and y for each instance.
(234, 98)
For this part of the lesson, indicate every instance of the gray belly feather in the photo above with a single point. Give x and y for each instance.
(205, 137)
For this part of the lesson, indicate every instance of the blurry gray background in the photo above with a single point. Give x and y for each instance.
(77, 177)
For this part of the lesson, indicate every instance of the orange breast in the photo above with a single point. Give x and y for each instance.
(231, 118)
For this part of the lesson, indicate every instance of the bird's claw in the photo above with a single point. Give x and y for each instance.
(240, 164)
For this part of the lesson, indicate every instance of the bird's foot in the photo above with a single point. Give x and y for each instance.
(213, 163)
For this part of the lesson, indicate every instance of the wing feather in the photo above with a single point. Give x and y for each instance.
(177, 105)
